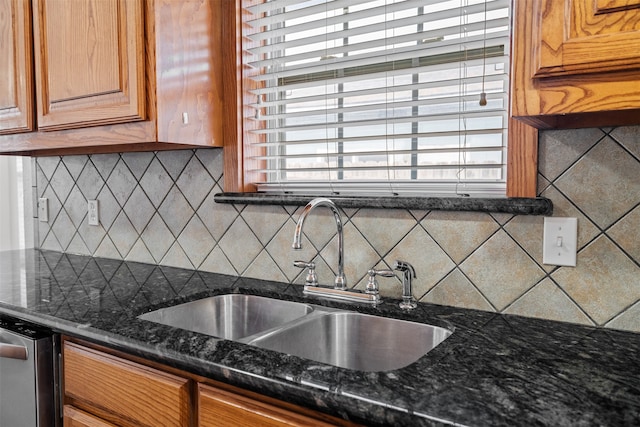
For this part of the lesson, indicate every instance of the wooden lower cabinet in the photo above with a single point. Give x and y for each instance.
(105, 388)
(74, 417)
(124, 392)
(218, 407)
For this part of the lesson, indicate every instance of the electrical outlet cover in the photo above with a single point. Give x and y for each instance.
(560, 241)
(43, 209)
(93, 217)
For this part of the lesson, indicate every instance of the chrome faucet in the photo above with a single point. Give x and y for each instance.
(340, 281)
(339, 291)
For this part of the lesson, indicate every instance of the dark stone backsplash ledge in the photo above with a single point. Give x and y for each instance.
(512, 205)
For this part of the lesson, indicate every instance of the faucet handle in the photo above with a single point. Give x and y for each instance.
(383, 273)
(372, 284)
(312, 277)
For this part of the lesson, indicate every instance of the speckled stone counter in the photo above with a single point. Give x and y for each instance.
(494, 370)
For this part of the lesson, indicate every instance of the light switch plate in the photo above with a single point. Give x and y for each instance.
(43, 209)
(560, 241)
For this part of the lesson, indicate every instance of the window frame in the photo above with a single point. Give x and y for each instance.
(522, 141)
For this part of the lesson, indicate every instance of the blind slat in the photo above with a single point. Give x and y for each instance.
(400, 136)
(378, 153)
(472, 51)
(330, 22)
(446, 71)
(441, 188)
(388, 121)
(389, 106)
(431, 36)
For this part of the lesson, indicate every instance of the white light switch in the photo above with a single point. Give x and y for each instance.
(94, 219)
(560, 241)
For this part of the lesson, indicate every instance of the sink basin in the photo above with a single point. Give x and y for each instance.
(232, 316)
(336, 337)
(356, 341)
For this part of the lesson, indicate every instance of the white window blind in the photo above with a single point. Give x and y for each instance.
(377, 96)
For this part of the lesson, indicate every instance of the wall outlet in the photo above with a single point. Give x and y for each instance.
(43, 209)
(560, 241)
(93, 216)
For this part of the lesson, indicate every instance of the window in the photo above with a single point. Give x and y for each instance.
(377, 96)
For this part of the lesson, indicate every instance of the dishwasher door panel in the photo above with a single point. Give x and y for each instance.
(28, 375)
(17, 381)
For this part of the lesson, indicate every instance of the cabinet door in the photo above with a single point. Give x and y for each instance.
(121, 390)
(188, 43)
(578, 37)
(575, 63)
(89, 62)
(218, 407)
(16, 77)
(74, 417)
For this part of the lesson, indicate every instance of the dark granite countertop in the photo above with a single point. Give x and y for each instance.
(494, 370)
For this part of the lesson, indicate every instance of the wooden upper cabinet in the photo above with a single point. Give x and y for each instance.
(111, 75)
(588, 36)
(188, 62)
(16, 81)
(90, 62)
(576, 62)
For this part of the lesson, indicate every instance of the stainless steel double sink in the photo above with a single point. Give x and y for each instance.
(336, 337)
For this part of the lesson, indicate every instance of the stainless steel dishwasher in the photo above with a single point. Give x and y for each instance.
(28, 375)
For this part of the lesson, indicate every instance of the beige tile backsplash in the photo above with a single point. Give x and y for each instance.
(159, 208)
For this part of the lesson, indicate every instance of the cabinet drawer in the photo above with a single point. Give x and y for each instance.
(74, 417)
(218, 407)
(124, 390)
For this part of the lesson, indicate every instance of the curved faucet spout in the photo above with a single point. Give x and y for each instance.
(341, 280)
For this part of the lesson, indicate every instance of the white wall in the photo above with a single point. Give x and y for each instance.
(16, 213)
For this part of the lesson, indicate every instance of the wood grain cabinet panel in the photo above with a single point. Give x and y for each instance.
(104, 388)
(220, 408)
(576, 62)
(111, 76)
(73, 417)
(189, 85)
(577, 36)
(131, 393)
(16, 77)
(89, 61)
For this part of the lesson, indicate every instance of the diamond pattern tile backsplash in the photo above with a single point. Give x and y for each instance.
(158, 208)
